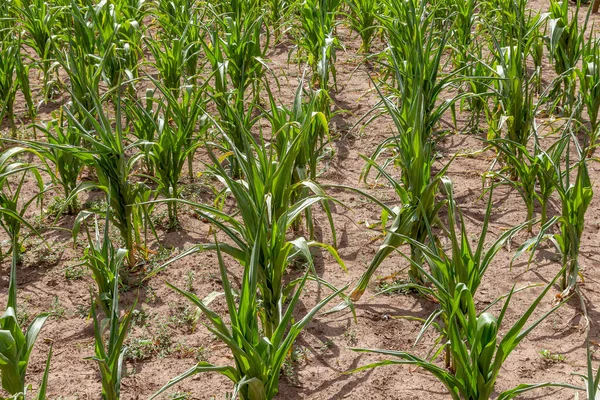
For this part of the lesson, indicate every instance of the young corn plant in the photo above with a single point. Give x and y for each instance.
(115, 42)
(169, 61)
(41, 20)
(589, 89)
(362, 19)
(278, 15)
(318, 41)
(266, 212)
(235, 54)
(84, 79)
(524, 166)
(461, 264)
(177, 142)
(302, 119)
(105, 149)
(13, 206)
(144, 116)
(413, 107)
(576, 193)
(478, 350)
(547, 174)
(104, 261)
(65, 174)
(514, 110)
(110, 354)
(566, 39)
(9, 55)
(258, 354)
(16, 346)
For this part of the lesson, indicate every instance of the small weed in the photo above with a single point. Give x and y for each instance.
(182, 350)
(74, 272)
(189, 281)
(184, 316)
(139, 318)
(350, 337)
(56, 309)
(552, 357)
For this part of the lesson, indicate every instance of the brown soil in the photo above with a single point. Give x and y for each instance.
(322, 352)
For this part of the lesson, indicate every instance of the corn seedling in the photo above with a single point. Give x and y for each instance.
(514, 111)
(110, 354)
(177, 141)
(412, 106)
(65, 174)
(458, 265)
(566, 39)
(145, 118)
(16, 347)
(575, 198)
(478, 351)
(84, 79)
(13, 206)
(169, 61)
(9, 55)
(258, 353)
(524, 166)
(104, 262)
(589, 89)
(181, 24)
(113, 162)
(318, 41)
(362, 19)
(266, 212)
(40, 20)
(302, 119)
(278, 12)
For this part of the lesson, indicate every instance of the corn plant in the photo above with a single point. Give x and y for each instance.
(177, 141)
(169, 61)
(106, 151)
(84, 79)
(244, 40)
(462, 31)
(13, 206)
(235, 52)
(266, 212)
(589, 88)
(514, 109)
(40, 20)
(566, 39)
(317, 40)
(180, 21)
(146, 122)
(524, 166)
(104, 262)
(575, 198)
(16, 347)
(302, 119)
(258, 359)
(362, 19)
(413, 107)
(546, 162)
(457, 265)
(278, 12)
(478, 350)
(65, 174)
(9, 55)
(110, 354)
(106, 39)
